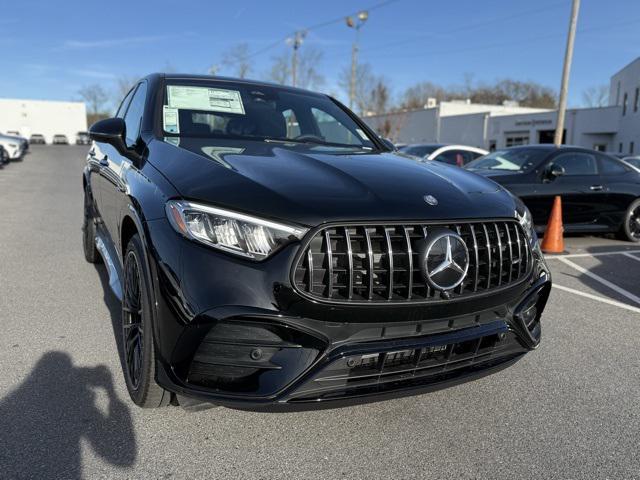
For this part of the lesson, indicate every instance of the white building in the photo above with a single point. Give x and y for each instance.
(42, 116)
(615, 128)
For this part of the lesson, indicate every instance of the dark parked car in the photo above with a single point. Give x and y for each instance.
(37, 139)
(4, 156)
(599, 193)
(82, 138)
(270, 251)
(60, 140)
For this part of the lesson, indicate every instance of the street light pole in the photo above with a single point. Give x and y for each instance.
(356, 23)
(562, 104)
(295, 42)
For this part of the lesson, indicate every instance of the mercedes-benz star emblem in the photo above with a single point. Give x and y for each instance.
(430, 199)
(446, 260)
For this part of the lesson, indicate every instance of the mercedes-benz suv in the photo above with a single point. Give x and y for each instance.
(272, 252)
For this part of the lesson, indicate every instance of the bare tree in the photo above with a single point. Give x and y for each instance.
(280, 69)
(309, 66)
(418, 95)
(124, 83)
(526, 93)
(380, 96)
(308, 69)
(365, 83)
(237, 60)
(597, 96)
(95, 98)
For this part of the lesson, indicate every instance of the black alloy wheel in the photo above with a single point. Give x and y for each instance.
(138, 347)
(632, 227)
(132, 329)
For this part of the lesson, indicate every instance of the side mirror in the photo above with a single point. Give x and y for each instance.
(554, 171)
(389, 144)
(111, 131)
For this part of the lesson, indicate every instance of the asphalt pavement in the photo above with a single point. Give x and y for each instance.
(570, 409)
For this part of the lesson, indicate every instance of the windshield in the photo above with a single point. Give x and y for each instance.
(419, 150)
(517, 159)
(258, 112)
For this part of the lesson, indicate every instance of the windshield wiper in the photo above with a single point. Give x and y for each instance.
(310, 141)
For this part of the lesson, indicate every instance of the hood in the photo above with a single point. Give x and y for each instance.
(305, 184)
(499, 175)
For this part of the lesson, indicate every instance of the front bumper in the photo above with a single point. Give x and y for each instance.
(234, 333)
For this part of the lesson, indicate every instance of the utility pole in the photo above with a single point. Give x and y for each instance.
(296, 43)
(356, 23)
(562, 107)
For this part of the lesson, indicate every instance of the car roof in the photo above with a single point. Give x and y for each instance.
(426, 145)
(244, 81)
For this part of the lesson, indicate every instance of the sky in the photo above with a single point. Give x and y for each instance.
(50, 50)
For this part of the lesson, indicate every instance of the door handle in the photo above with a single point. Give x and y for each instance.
(596, 188)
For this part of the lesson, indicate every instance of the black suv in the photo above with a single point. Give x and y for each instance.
(271, 252)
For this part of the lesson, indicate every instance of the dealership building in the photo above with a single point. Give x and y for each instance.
(45, 117)
(614, 128)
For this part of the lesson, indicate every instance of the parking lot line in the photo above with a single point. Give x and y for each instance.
(603, 281)
(628, 254)
(578, 255)
(597, 298)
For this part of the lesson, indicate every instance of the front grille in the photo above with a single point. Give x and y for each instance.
(380, 263)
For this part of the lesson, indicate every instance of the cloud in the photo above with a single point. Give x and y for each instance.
(82, 72)
(113, 42)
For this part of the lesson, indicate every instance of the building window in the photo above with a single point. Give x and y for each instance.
(618, 94)
(635, 100)
(620, 148)
(624, 103)
(514, 139)
(631, 145)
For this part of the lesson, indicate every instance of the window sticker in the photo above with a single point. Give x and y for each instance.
(171, 119)
(204, 98)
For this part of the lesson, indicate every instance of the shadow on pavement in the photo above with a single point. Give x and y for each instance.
(43, 421)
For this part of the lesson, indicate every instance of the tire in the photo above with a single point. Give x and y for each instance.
(138, 347)
(630, 229)
(91, 253)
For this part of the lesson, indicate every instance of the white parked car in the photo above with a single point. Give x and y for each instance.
(458, 155)
(14, 146)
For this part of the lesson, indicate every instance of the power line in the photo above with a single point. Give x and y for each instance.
(280, 41)
(581, 31)
(470, 26)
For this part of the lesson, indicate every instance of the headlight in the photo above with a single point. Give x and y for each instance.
(526, 221)
(230, 231)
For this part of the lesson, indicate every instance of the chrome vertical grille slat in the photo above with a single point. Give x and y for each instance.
(500, 259)
(370, 261)
(477, 258)
(347, 239)
(489, 260)
(389, 263)
(409, 263)
(506, 227)
(378, 263)
(329, 259)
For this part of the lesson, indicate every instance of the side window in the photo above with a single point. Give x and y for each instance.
(293, 127)
(454, 157)
(133, 117)
(125, 103)
(577, 163)
(609, 166)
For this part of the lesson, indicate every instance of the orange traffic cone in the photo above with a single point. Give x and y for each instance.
(553, 241)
